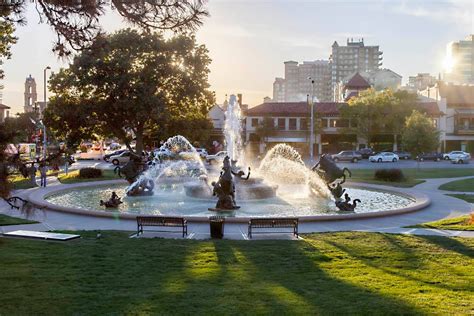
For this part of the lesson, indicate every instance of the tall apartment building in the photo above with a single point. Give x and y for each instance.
(354, 57)
(298, 81)
(460, 57)
(421, 81)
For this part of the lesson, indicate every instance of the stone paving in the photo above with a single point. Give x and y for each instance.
(441, 207)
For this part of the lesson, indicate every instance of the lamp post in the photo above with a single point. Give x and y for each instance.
(311, 136)
(45, 143)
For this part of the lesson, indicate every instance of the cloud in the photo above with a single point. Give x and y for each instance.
(459, 11)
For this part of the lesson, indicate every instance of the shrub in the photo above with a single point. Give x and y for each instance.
(90, 173)
(390, 175)
(471, 219)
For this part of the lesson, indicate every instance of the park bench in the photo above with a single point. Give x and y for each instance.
(162, 221)
(266, 223)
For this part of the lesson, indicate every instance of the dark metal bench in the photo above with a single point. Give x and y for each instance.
(163, 221)
(288, 222)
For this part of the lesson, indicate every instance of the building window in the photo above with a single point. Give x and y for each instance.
(332, 123)
(292, 124)
(303, 124)
(435, 123)
(254, 122)
(281, 124)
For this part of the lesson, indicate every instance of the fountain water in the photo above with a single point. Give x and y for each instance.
(233, 130)
(283, 165)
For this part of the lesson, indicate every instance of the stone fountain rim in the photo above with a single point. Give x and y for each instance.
(38, 198)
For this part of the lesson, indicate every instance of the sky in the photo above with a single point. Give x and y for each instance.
(248, 41)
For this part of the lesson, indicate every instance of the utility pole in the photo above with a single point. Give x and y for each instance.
(311, 136)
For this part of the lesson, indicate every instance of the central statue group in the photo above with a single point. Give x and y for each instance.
(334, 176)
(224, 188)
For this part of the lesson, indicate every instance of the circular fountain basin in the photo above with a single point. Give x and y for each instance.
(171, 199)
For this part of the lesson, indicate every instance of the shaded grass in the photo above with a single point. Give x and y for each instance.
(466, 185)
(457, 223)
(413, 176)
(332, 273)
(466, 197)
(20, 183)
(8, 220)
(73, 177)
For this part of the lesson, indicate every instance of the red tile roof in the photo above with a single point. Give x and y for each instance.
(4, 107)
(357, 82)
(430, 108)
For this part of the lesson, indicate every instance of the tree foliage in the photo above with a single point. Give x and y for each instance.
(265, 128)
(77, 25)
(381, 112)
(128, 91)
(419, 134)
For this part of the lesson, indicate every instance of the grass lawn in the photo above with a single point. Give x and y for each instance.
(20, 183)
(457, 223)
(73, 177)
(466, 185)
(466, 197)
(413, 176)
(8, 220)
(330, 273)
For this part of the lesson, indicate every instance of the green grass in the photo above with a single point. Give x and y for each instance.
(466, 185)
(330, 273)
(20, 183)
(8, 220)
(73, 177)
(413, 176)
(457, 223)
(466, 197)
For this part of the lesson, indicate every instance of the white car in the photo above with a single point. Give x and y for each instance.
(216, 158)
(94, 153)
(455, 154)
(464, 158)
(121, 158)
(384, 157)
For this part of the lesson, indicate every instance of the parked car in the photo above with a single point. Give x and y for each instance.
(403, 155)
(115, 153)
(347, 155)
(454, 154)
(121, 158)
(430, 156)
(366, 152)
(202, 152)
(464, 158)
(210, 159)
(386, 156)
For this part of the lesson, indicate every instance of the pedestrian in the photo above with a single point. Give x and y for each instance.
(43, 171)
(66, 164)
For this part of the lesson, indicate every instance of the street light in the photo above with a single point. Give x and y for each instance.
(45, 143)
(311, 136)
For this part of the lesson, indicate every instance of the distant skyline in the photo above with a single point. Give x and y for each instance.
(249, 40)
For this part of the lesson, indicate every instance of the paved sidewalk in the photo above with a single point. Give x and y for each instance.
(442, 206)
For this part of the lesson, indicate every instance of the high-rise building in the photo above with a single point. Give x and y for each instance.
(30, 94)
(460, 61)
(301, 79)
(421, 81)
(355, 57)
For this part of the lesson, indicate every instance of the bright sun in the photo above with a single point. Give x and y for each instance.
(448, 62)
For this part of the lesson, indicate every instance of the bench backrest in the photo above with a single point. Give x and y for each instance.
(160, 221)
(273, 222)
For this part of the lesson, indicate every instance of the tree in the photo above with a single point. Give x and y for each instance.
(265, 129)
(6, 40)
(419, 134)
(122, 90)
(76, 23)
(365, 113)
(383, 112)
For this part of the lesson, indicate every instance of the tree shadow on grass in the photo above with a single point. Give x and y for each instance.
(404, 264)
(450, 244)
(295, 267)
